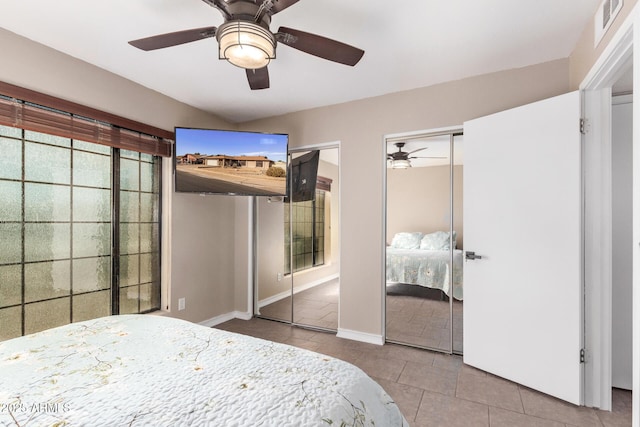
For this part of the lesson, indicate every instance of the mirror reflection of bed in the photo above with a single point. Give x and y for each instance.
(424, 234)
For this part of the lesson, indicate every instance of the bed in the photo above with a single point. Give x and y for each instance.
(421, 259)
(151, 370)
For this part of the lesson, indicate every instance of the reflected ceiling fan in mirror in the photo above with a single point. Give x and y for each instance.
(244, 39)
(402, 159)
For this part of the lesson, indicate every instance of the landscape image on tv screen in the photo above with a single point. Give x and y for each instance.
(230, 162)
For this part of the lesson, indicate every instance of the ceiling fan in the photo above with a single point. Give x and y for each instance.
(402, 159)
(244, 39)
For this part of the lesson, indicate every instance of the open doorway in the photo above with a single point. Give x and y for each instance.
(610, 183)
(622, 238)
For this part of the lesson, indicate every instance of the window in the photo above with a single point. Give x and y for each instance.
(79, 217)
(307, 225)
(139, 233)
(56, 204)
(259, 163)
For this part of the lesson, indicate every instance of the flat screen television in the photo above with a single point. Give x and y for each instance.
(304, 176)
(211, 161)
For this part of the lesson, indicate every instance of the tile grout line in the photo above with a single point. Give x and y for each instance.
(455, 394)
(400, 374)
(434, 363)
(521, 401)
(401, 371)
(415, 417)
(489, 415)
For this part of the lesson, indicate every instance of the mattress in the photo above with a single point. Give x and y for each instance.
(431, 269)
(146, 370)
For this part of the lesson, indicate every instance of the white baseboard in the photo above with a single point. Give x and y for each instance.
(342, 333)
(360, 336)
(274, 298)
(225, 318)
(242, 315)
(285, 294)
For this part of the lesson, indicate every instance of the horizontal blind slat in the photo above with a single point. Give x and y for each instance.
(45, 119)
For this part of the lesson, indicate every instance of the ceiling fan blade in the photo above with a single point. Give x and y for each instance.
(420, 157)
(419, 149)
(258, 79)
(319, 46)
(280, 5)
(172, 39)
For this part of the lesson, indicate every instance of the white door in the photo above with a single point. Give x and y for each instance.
(522, 215)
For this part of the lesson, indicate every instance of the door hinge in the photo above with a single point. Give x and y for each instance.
(584, 126)
(582, 355)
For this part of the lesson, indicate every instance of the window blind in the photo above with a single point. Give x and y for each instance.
(323, 183)
(33, 111)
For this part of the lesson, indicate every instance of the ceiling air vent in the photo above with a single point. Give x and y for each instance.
(605, 15)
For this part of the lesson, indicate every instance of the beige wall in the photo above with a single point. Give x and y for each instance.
(200, 229)
(332, 209)
(45, 70)
(360, 127)
(418, 200)
(242, 243)
(270, 249)
(585, 54)
(215, 282)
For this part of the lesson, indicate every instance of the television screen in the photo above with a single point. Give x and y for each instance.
(230, 162)
(304, 175)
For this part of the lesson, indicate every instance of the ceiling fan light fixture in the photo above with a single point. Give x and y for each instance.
(400, 164)
(245, 44)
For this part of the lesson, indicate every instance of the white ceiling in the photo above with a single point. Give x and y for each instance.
(408, 44)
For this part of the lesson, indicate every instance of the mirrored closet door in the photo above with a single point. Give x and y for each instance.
(424, 238)
(273, 285)
(309, 269)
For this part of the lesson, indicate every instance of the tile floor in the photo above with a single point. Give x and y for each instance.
(418, 316)
(435, 389)
(414, 316)
(317, 306)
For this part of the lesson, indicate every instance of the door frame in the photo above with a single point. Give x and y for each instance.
(597, 101)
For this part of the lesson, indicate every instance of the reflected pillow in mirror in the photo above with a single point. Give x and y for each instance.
(437, 241)
(406, 240)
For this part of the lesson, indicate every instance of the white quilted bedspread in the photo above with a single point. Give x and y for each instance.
(156, 371)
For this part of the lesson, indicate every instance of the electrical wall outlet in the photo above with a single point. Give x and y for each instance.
(279, 277)
(181, 303)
